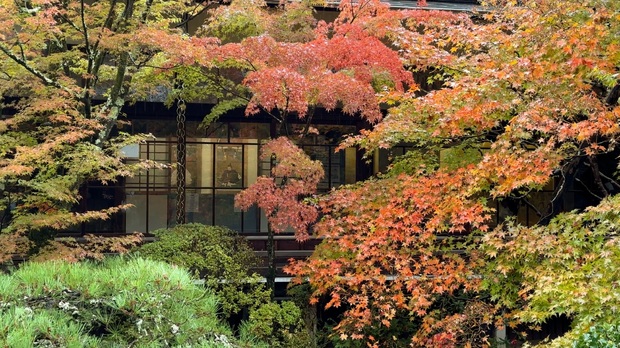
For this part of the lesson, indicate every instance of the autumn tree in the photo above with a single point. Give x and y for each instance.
(289, 65)
(67, 70)
(514, 99)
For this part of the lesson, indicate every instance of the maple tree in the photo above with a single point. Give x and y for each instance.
(520, 97)
(505, 103)
(292, 65)
(288, 75)
(67, 70)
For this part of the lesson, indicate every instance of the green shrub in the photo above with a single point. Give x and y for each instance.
(216, 254)
(600, 336)
(278, 325)
(116, 303)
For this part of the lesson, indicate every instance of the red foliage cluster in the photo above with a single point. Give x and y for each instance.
(293, 177)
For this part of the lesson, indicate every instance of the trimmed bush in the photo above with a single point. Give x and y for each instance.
(217, 255)
(278, 325)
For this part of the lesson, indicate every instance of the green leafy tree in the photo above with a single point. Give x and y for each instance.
(603, 335)
(568, 267)
(67, 70)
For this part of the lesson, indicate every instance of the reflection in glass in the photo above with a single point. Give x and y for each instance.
(253, 131)
(135, 220)
(217, 130)
(251, 222)
(99, 198)
(251, 164)
(199, 208)
(228, 164)
(225, 212)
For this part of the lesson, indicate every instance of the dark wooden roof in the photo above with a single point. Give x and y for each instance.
(446, 5)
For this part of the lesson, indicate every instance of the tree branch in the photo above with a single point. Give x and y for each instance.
(614, 94)
(85, 34)
(8, 77)
(194, 14)
(612, 181)
(218, 83)
(597, 177)
(116, 100)
(588, 189)
(89, 68)
(146, 11)
(306, 129)
(40, 75)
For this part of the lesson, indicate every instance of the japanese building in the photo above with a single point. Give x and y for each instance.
(222, 160)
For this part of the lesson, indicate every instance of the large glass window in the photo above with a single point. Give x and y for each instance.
(220, 162)
(339, 166)
(218, 165)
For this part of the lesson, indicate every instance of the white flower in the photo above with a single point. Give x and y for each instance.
(66, 306)
(223, 340)
(174, 328)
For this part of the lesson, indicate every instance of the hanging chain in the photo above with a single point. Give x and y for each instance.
(181, 159)
(181, 142)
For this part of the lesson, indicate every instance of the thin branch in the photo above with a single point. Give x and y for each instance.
(144, 62)
(597, 178)
(146, 11)
(85, 33)
(116, 99)
(308, 122)
(89, 69)
(40, 75)
(587, 189)
(194, 14)
(520, 197)
(612, 181)
(97, 57)
(8, 77)
(532, 206)
(19, 44)
(560, 189)
(107, 24)
(237, 95)
(70, 22)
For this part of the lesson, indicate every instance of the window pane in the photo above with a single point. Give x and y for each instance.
(225, 212)
(337, 168)
(135, 218)
(251, 164)
(248, 132)
(204, 165)
(251, 221)
(228, 164)
(159, 128)
(199, 207)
